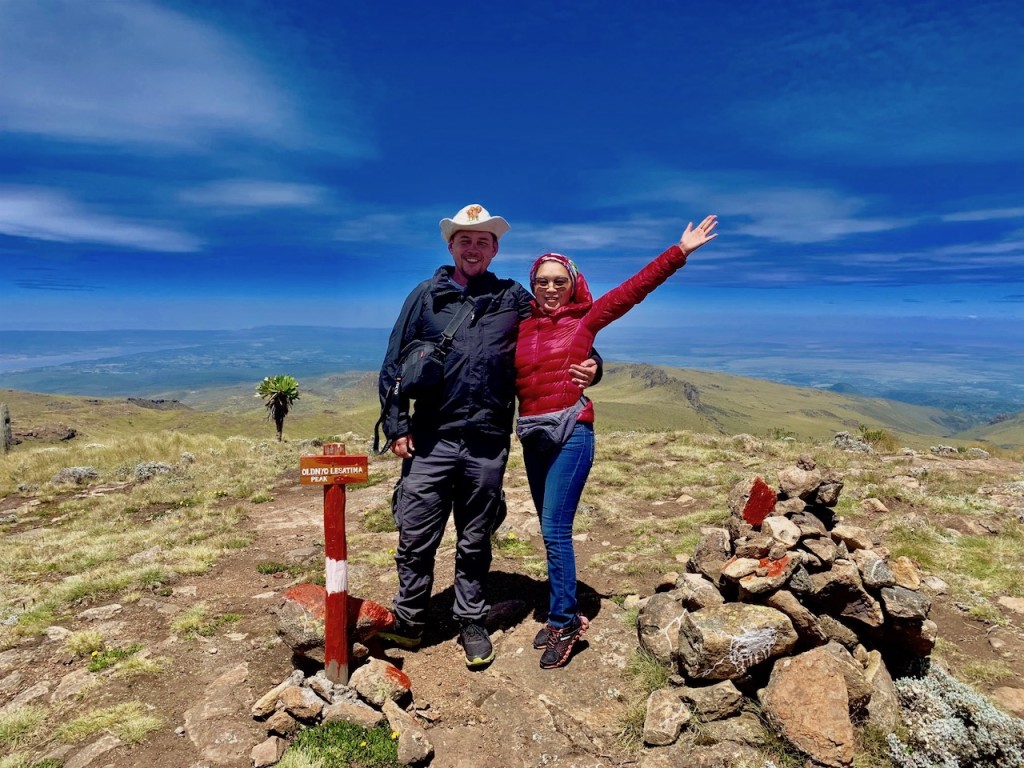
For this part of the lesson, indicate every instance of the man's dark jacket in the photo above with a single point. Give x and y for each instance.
(478, 393)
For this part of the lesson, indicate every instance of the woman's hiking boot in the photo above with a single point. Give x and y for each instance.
(541, 640)
(561, 641)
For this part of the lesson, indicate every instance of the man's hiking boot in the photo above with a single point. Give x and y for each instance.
(561, 641)
(404, 634)
(541, 640)
(476, 644)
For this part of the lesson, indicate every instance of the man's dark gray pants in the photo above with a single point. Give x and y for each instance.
(448, 473)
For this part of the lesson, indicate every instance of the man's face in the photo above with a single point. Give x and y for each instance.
(472, 252)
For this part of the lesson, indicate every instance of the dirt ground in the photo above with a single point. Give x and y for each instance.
(510, 714)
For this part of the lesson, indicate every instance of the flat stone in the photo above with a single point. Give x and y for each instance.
(356, 713)
(282, 724)
(809, 525)
(666, 715)
(857, 688)
(770, 575)
(821, 548)
(744, 728)
(737, 567)
(302, 703)
(100, 613)
(413, 744)
(694, 592)
(754, 546)
(93, 752)
(1015, 604)
(884, 706)
(830, 488)
(906, 574)
(904, 603)
(874, 569)
(267, 703)
(1010, 699)
(268, 752)
(782, 530)
(853, 537)
(875, 506)
(712, 702)
(216, 724)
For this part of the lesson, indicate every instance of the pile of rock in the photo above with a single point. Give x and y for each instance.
(374, 694)
(377, 690)
(788, 607)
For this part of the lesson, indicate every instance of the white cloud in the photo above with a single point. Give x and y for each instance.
(988, 214)
(255, 194)
(132, 72)
(49, 215)
(747, 205)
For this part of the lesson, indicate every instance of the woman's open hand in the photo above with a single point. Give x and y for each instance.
(694, 238)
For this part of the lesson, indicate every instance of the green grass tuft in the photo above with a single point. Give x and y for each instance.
(342, 744)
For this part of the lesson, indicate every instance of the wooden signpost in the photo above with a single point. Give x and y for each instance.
(333, 470)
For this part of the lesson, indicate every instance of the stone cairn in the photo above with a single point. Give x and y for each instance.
(377, 690)
(787, 611)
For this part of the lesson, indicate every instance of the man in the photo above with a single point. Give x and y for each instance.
(455, 444)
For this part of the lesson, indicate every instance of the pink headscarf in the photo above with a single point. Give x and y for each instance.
(580, 290)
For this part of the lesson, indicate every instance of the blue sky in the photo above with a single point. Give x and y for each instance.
(198, 165)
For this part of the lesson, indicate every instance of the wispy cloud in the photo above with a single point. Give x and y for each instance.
(988, 214)
(756, 207)
(242, 195)
(872, 89)
(51, 279)
(132, 72)
(43, 214)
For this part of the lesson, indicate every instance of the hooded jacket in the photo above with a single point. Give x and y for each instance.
(478, 392)
(550, 343)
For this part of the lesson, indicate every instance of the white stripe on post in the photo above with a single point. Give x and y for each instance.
(337, 576)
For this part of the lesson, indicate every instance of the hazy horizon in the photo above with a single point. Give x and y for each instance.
(955, 365)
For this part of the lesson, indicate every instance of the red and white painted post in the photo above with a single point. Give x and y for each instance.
(333, 470)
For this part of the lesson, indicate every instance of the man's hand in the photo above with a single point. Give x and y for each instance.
(403, 447)
(583, 373)
(693, 239)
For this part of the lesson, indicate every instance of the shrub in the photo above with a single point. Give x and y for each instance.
(949, 725)
(881, 439)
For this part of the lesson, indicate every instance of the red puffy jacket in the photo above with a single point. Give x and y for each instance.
(549, 344)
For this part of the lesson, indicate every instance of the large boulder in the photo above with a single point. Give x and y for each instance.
(302, 613)
(807, 701)
(723, 642)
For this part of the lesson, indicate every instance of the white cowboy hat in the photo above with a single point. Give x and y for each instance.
(476, 218)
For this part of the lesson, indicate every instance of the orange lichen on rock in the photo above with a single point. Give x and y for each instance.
(773, 567)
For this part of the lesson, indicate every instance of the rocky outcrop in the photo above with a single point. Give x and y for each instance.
(793, 597)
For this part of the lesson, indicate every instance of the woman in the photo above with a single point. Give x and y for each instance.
(556, 423)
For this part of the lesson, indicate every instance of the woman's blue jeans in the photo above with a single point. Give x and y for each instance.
(556, 482)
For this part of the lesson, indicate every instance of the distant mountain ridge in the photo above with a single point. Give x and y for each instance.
(632, 397)
(197, 366)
